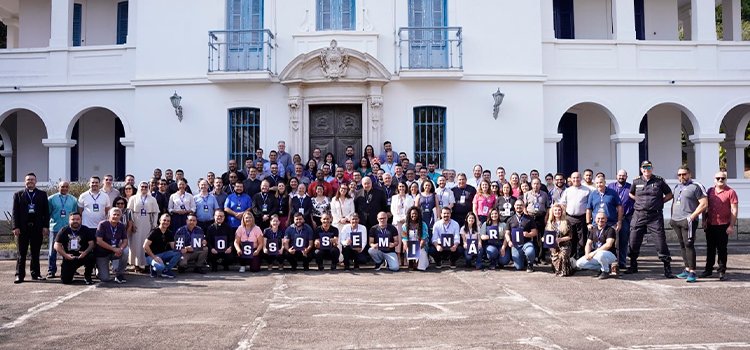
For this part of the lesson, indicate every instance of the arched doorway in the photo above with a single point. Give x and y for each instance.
(98, 149)
(734, 153)
(22, 132)
(667, 128)
(586, 130)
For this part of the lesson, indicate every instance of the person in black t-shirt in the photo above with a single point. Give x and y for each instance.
(601, 251)
(159, 247)
(273, 238)
(326, 242)
(383, 239)
(75, 243)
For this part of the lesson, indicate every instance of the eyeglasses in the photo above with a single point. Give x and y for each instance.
(721, 178)
(646, 167)
(682, 174)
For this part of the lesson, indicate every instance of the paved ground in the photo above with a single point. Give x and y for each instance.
(367, 309)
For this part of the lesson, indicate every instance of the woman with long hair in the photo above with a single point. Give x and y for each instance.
(415, 230)
(470, 232)
(249, 234)
(321, 205)
(283, 197)
(364, 167)
(483, 201)
(558, 223)
(400, 203)
(427, 202)
(515, 185)
(492, 234)
(505, 203)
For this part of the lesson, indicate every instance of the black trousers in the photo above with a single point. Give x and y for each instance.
(297, 256)
(653, 222)
(68, 268)
(226, 259)
(580, 233)
(359, 257)
(332, 254)
(686, 236)
(29, 237)
(716, 241)
(446, 253)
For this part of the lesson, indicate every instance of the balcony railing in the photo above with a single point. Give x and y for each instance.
(437, 48)
(240, 50)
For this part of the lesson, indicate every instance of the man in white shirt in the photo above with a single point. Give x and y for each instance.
(477, 179)
(94, 204)
(575, 200)
(446, 239)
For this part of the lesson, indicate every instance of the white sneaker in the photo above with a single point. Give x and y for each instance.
(242, 269)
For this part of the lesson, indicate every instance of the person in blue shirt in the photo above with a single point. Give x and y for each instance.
(205, 205)
(235, 204)
(298, 242)
(61, 205)
(622, 187)
(604, 199)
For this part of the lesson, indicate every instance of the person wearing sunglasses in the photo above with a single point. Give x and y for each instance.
(719, 221)
(689, 202)
(649, 193)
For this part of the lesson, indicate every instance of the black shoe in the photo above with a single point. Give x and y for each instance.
(529, 269)
(18, 280)
(88, 281)
(378, 266)
(598, 274)
(226, 267)
(668, 271)
(722, 276)
(705, 274)
(199, 270)
(214, 268)
(631, 270)
(38, 278)
(180, 269)
(50, 275)
(320, 267)
(603, 275)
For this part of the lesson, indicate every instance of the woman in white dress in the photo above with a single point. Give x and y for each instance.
(400, 203)
(342, 208)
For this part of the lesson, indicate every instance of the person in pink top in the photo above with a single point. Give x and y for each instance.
(484, 201)
(719, 221)
(249, 243)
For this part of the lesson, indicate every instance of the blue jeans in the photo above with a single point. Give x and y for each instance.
(478, 256)
(600, 261)
(529, 253)
(493, 254)
(623, 239)
(390, 258)
(52, 253)
(170, 259)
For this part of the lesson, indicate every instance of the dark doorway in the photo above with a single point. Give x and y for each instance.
(567, 148)
(334, 127)
(564, 19)
(640, 20)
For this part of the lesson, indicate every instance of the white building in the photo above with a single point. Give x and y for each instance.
(85, 84)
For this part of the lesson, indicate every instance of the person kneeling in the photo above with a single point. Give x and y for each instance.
(600, 248)
(112, 245)
(159, 248)
(383, 240)
(326, 242)
(191, 242)
(75, 243)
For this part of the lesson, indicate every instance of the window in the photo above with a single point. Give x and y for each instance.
(428, 45)
(335, 15)
(244, 133)
(77, 18)
(122, 22)
(564, 19)
(429, 135)
(245, 36)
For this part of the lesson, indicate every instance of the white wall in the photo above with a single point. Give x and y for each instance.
(594, 145)
(593, 19)
(664, 133)
(96, 144)
(34, 23)
(99, 22)
(661, 20)
(31, 155)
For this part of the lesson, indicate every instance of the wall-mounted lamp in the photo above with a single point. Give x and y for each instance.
(175, 99)
(498, 97)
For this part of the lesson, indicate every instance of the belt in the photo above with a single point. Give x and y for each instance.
(577, 216)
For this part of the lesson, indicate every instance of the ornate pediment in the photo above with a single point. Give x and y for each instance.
(334, 63)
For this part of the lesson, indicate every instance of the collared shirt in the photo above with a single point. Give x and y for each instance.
(442, 228)
(555, 193)
(686, 199)
(267, 169)
(623, 191)
(205, 207)
(389, 168)
(238, 204)
(445, 197)
(60, 208)
(607, 202)
(649, 195)
(179, 201)
(94, 207)
(575, 200)
(720, 205)
(284, 159)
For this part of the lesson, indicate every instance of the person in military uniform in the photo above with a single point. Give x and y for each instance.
(649, 193)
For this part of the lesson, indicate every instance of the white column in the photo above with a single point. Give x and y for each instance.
(374, 120)
(548, 20)
(8, 156)
(735, 158)
(550, 151)
(624, 17)
(627, 151)
(296, 144)
(61, 25)
(703, 20)
(59, 158)
(706, 156)
(132, 21)
(731, 20)
(129, 145)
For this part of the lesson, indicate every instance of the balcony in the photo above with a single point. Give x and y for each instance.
(241, 55)
(430, 52)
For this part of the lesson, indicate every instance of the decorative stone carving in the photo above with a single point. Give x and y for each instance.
(294, 120)
(334, 61)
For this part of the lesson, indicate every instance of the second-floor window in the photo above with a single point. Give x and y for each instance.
(428, 38)
(335, 15)
(244, 35)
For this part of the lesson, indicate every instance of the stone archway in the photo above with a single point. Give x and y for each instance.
(334, 75)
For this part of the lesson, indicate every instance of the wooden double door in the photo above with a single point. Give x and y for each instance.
(333, 127)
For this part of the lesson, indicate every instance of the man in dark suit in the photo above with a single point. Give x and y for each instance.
(30, 224)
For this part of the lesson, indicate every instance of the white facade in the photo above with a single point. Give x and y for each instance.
(604, 76)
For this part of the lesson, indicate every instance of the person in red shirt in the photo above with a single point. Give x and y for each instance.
(719, 221)
(320, 180)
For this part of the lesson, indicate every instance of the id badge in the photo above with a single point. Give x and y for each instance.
(205, 208)
(536, 206)
(264, 208)
(239, 207)
(143, 212)
(440, 203)
(95, 208)
(63, 213)
(301, 211)
(31, 209)
(462, 200)
(74, 246)
(485, 210)
(388, 201)
(182, 207)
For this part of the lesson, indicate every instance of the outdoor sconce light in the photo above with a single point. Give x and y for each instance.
(498, 97)
(175, 99)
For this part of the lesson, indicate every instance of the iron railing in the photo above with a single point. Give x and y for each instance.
(430, 48)
(241, 50)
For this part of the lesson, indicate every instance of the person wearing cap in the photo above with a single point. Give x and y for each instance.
(689, 203)
(649, 193)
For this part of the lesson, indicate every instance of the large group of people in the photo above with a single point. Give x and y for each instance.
(379, 209)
